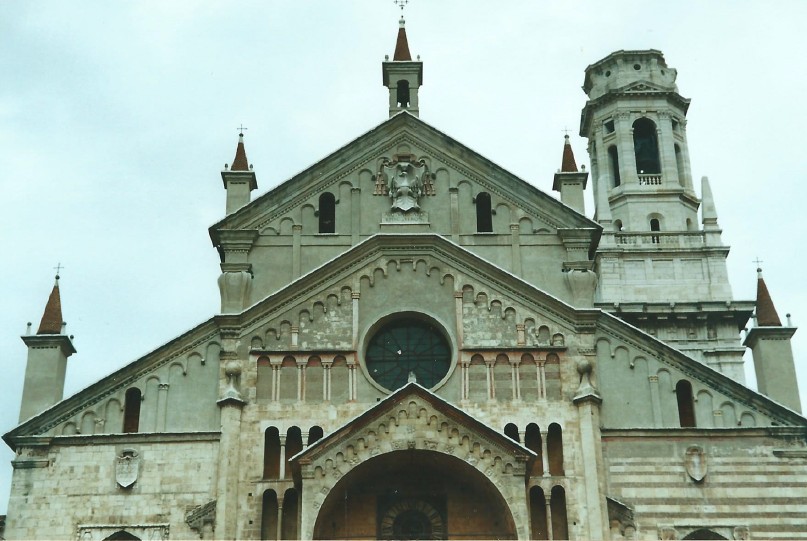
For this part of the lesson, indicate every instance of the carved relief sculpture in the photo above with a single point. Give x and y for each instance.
(409, 181)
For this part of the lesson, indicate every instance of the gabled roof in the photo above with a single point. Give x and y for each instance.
(397, 398)
(381, 140)
(358, 256)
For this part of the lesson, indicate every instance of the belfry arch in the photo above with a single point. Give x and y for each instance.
(414, 494)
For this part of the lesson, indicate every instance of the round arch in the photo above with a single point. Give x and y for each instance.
(414, 494)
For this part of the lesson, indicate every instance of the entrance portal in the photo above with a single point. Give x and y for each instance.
(414, 494)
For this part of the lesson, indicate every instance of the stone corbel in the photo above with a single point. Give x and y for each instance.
(202, 519)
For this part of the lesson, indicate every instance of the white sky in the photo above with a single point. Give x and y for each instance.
(116, 118)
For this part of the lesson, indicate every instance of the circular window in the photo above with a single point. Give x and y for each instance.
(408, 347)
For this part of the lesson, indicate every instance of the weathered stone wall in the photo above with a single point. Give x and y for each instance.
(72, 483)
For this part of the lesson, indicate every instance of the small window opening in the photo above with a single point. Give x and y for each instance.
(532, 441)
(554, 448)
(327, 213)
(609, 126)
(403, 93)
(314, 434)
(271, 453)
(484, 216)
(131, 410)
(613, 158)
(557, 505)
(618, 225)
(511, 431)
(686, 409)
(679, 164)
(294, 444)
(538, 525)
(645, 146)
(655, 226)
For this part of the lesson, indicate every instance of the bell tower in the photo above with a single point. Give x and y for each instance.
(657, 268)
(402, 76)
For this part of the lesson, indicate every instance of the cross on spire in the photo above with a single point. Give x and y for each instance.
(565, 131)
(400, 3)
(58, 268)
(241, 129)
(758, 262)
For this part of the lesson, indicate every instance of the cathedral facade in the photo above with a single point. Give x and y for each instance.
(414, 343)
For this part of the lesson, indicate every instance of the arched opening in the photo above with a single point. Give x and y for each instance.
(327, 213)
(686, 407)
(263, 389)
(131, 410)
(655, 225)
(402, 96)
(645, 147)
(532, 441)
(703, 533)
(314, 434)
(122, 535)
(618, 225)
(269, 515)
(557, 506)
(484, 216)
(294, 444)
(511, 431)
(538, 526)
(554, 449)
(613, 161)
(271, 453)
(414, 495)
(289, 526)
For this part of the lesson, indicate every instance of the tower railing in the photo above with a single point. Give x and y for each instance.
(649, 179)
(678, 239)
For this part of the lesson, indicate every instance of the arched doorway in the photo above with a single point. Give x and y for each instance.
(414, 494)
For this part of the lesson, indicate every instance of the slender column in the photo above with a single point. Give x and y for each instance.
(162, 406)
(326, 381)
(297, 231)
(627, 159)
(516, 381)
(301, 380)
(541, 364)
(466, 391)
(282, 438)
(490, 380)
(453, 193)
(458, 316)
(588, 410)
(295, 336)
(355, 216)
(228, 468)
(304, 436)
(515, 250)
(545, 452)
(655, 401)
(280, 516)
(275, 382)
(669, 166)
(548, 497)
(354, 297)
(521, 335)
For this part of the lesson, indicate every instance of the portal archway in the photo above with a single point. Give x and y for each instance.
(414, 494)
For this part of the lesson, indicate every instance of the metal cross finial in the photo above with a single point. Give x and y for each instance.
(241, 129)
(566, 131)
(58, 268)
(758, 261)
(400, 3)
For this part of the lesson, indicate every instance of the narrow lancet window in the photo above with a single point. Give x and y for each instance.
(686, 409)
(271, 454)
(554, 448)
(327, 213)
(484, 216)
(613, 160)
(403, 93)
(645, 145)
(131, 410)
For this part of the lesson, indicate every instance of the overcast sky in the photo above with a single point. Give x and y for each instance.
(116, 118)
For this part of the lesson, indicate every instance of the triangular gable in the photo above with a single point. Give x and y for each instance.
(377, 142)
(400, 401)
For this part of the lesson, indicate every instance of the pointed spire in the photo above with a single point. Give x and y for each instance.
(766, 312)
(709, 211)
(402, 53)
(568, 165)
(52, 318)
(240, 161)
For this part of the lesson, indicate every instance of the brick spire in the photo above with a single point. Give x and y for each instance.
(52, 318)
(766, 313)
(402, 44)
(568, 164)
(240, 161)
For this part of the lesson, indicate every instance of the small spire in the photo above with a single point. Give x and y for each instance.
(52, 318)
(568, 165)
(709, 211)
(402, 53)
(240, 161)
(766, 312)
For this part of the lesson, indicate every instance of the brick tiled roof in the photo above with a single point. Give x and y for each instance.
(766, 313)
(52, 318)
(240, 161)
(402, 45)
(568, 165)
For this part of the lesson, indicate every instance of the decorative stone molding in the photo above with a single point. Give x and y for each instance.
(234, 288)
(582, 283)
(695, 462)
(98, 532)
(202, 519)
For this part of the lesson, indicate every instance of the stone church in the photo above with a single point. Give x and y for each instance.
(414, 343)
